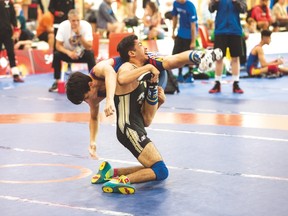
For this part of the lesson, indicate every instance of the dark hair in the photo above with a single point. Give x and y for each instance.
(77, 86)
(266, 33)
(125, 45)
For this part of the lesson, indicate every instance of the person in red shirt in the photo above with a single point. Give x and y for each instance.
(262, 14)
(45, 30)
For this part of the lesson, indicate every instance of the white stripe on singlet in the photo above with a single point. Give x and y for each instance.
(123, 118)
(124, 111)
(134, 138)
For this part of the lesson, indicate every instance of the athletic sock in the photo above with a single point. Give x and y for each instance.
(195, 57)
(235, 78)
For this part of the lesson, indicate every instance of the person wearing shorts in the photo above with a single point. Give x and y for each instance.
(257, 64)
(136, 101)
(186, 34)
(101, 83)
(228, 34)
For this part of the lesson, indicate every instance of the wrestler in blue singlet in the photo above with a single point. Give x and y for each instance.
(155, 62)
(252, 62)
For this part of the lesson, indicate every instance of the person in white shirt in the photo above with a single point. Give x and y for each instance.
(74, 41)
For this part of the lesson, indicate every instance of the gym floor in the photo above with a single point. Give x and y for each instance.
(226, 153)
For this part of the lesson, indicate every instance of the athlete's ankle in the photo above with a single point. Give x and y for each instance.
(195, 57)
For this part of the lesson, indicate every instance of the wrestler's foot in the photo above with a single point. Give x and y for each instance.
(92, 151)
(118, 185)
(104, 174)
(216, 54)
(210, 56)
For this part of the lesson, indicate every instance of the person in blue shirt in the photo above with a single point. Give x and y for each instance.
(228, 34)
(185, 12)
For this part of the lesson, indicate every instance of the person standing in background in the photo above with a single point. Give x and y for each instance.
(33, 10)
(8, 32)
(228, 33)
(187, 30)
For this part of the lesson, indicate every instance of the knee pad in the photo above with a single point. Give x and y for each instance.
(160, 170)
(272, 68)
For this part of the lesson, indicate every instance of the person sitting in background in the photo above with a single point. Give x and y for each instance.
(23, 40)
(91, 9)
(45, 29)
(73, 44)
(106, 18)
(251, 26)
(152, 22)
(279, 11)
(21, 21)
(262, 14)
(257, 56)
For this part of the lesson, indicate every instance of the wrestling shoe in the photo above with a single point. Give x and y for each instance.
(104, 174)
(236, 88)
(118, 185)
(209, 58)
(54, 87)
(216, 54)
(216, 88)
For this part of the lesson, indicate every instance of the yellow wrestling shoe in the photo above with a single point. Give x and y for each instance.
(104, 174)
(118, 185)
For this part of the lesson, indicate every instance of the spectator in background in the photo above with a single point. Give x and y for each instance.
(91, 9)
(187, 31)
(257, 56)
(279, 11)
(9, 30)
(73, 44)
(152, 22)
(131, 7)
(33, 10)
(251, 25)
(60, 9)
(106, 18)
(262, 14)
(22, 38)
(20, 17)
(228, 33)
(45, 30)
